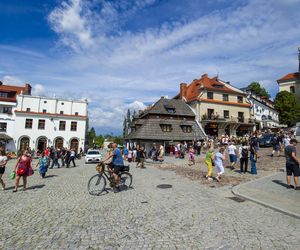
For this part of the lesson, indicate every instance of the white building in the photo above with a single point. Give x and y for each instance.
(8, 102)
(263, 111)
(291, 81)
(42, 121)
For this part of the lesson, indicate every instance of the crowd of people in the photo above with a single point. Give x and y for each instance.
(47, 159)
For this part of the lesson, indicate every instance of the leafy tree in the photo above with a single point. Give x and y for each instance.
(255, 87)
(92, 136)
(288, 107)
(99, 140)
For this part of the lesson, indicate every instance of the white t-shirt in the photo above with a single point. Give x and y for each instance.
(3, 159)
(232, 150)
(286, 141)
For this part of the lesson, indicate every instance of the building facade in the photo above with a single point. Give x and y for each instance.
(42, 121)
(167, 122)
(291, 81)
(263, 111)
(8, 102)
(220, 107)
(38, 122)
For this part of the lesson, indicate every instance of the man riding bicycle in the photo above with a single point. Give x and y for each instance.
(117, 164)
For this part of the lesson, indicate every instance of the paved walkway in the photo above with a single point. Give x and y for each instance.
(271, 191)
(58, 213)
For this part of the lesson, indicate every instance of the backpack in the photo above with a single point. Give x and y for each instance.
(244, 153)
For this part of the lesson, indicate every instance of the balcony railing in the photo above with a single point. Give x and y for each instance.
(219, 118)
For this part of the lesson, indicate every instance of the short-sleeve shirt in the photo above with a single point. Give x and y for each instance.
(208, 156)
(218, 159)
(3, 159)
(117, 159)
(232, 150)
(288, 154)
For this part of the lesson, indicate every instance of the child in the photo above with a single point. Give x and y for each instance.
(191, 156)
(208, 161)
(218, 159)
(43, 162)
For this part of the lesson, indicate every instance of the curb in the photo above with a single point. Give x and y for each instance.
(235, 191)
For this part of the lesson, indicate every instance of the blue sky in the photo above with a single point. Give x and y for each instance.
(126, 54)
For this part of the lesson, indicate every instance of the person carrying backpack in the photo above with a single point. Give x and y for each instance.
(244, 153)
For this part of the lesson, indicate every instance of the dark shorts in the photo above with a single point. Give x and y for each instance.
(117, 169)
(276, 147)
(292, 169)
(2, 170)
(233, 158)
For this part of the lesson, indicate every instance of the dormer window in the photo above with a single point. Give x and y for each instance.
(166, 127)
(218, 85)
(44, 111)
(170, 109)
(28, 110)
(76, 113)
(186, 128)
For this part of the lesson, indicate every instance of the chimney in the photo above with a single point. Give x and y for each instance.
(204, 75)
(183, 87)
(27, 89)
(1, 83)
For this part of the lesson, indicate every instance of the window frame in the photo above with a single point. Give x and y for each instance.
(240, 99)
(208, 95)
(4, 127)
(227, 96)
(28, 121)
(62, 126)
(166, 127)
(73, 126)
(226, 116)
(40, 123)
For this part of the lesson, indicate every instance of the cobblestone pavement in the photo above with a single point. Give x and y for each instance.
(58, 213)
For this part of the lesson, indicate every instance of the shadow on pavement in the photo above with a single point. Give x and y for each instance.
(36, 187)
(280, 183)
(50, 176)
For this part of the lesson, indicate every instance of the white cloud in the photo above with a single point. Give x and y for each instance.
(38, 89)
(12, 80)
(70, 20)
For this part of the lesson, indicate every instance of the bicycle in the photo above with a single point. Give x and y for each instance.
(97, 183)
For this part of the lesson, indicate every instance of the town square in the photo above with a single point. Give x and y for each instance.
(149, 124)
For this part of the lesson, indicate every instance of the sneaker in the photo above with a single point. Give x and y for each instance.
(209, 178)
(290, 186)
(116, 189)
(218, 179)
(297, 188)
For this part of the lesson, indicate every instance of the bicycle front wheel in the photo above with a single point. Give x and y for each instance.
(96, 184)
(125, 180)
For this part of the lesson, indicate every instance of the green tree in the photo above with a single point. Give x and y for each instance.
(288, 107)
(255, 87)
(92, 136)
(99, 140)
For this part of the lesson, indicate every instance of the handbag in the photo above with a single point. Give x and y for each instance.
(21, 171)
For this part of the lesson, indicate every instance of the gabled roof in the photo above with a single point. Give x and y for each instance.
(163, 105)
(289, 77)
(193, 90)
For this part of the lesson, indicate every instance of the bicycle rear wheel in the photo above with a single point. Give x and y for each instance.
(96, 184)
(125, 180)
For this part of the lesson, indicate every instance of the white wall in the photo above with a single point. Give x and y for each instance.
(52, 118)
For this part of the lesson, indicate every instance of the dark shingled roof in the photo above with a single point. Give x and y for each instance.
(151, 130)
(163, 104)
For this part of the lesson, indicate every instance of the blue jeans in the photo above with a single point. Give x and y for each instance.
(253, 164)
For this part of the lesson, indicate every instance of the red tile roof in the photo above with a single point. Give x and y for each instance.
(192, 91)
(13, 91)
(289, 77)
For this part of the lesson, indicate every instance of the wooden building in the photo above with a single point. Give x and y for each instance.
(167, 122)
